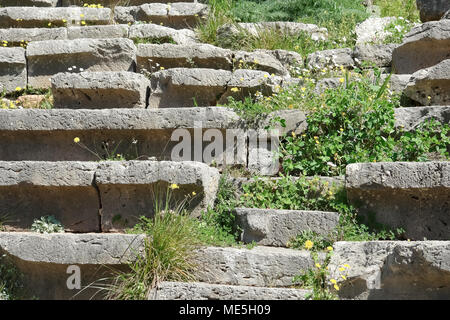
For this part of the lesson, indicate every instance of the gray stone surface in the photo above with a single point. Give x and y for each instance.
(128, 189)
(66, 3)
(410, 195)
(98, 32)
(372, 30)
(158, 33)
(154, 56)
(28, 17)
(206, 291)
(47, 58)
(432, 9)
(13, 69)
(424, 46)
(184, 87)
(30, 190)
(43, 259)
(289, 59)
(100, 90)
(386, 270)
(327, 83)
(431, 86)
(17, 36)
(270, 227)
(397, 82)
(260, 61)
(379, 54)
(410, 118)
(260, 266)
(331, 59)
(175, 15)
(29, 3)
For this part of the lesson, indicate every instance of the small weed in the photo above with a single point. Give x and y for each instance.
(47, 224)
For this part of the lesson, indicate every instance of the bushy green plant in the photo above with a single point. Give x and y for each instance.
(47, 224)
(11, 280)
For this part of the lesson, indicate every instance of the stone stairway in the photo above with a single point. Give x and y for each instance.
(133, 77)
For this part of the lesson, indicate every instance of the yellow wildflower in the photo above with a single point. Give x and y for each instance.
(333, 281)
(344, 277)
(76, 140)
(308, 244)
(174, 186)
(336, 287)
(194, 193)
(341, 80)
(318, 266)
(347, 266)
(330, 248)
(18, 89)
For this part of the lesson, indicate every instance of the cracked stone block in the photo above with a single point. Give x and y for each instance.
(184, 87)
(430, 86)
(424, 46)
(47, 58)
(129, 189)
(175, 15)
(30, 190)
(276, 228)
(289, 59)
(331, 59)
(44, 260)
(100, 90)
(259, 60)
(30, 17)
(392, 270)
(378, 54)
(159, 34)
(13, 69)
(431, 10)
(410, 195)
(259, 267)
(205, 291)
(410, 118)
(152, 57)
(17, 36)
(98, 32)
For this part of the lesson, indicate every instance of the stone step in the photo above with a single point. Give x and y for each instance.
(392, 270)
(424, 46)
(37, 17)
(152, 57)
(189, 87)
(271, 227)
(47, 135)
(115, 193)
(205, 291)
(44, 260)
(13, 69)
(100, 90)
(259, 267)
(30, 3)
(177, 15)
(431, 86)
(411, 118)
(112, 3)
(47, 58)
(410, 195)
(17, 37)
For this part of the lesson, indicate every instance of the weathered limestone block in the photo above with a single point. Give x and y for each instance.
(66, 3)
(379, 54)
(13, 69)
(431, 86)
(184, 87)
(227, 32)
(30, 17)
(410, 118)
(331, 59)
(17, 36)
(410, 195)
(424, 46)
(270, 227)
(259, 267)
(260, 61)
(372, 30)
(397, 82)
(30, 190)
(129, 189)
(43, 259)
(432, 9)
(47, 135)
(47, 58)
(177, 15)
(387, 270)
(154, 56)
(160, 34)
(29, 3)
(100, 90)
(98, 32)
(206, 291)
(289, 59)
(327, 83)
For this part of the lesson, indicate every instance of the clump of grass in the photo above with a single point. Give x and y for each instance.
(399, 8)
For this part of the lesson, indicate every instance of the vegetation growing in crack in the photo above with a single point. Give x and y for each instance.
(47, 224)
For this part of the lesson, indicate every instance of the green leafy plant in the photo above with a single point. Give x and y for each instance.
(47, 224)
(397, 30)
(11, 280)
